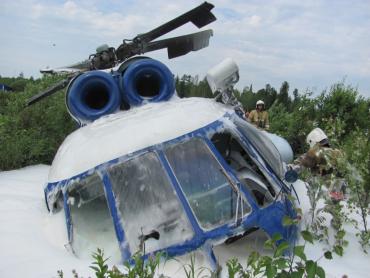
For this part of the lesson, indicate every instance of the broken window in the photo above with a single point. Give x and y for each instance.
(246, 170)
(150, 209)
(213, 198)
(263, 145)
(91, 221)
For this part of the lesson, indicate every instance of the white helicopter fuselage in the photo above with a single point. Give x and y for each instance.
(171, 176)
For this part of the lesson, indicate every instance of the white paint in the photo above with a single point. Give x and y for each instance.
(223, 76)
(282, 146)
(125, 132)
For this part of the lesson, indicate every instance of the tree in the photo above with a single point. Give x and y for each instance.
(283, 96)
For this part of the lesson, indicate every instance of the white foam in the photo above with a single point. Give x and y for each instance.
(32, 240)
(128, 131)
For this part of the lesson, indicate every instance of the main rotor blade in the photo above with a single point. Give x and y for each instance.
(77, 67)
(181, 45)
(50, 91)
(82, 66)
(199, 16)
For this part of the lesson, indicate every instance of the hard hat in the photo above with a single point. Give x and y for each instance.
(316, 136)
(260, 102)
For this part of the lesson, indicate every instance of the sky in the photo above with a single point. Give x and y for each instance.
(310, 44)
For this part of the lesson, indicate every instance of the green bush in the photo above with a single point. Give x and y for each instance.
(357, 148)
(31, 135)
(295, 125)
(278, 265)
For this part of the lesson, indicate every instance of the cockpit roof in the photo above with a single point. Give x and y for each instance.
(125, 132)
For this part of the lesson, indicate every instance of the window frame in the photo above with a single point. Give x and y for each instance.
(68, 187)
(240, 137)
(157, 155)
(226, 171)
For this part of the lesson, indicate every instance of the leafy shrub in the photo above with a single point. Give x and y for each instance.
(278, 265)
(295, 125)
(30, 135)
(357, 148)
(138, 269)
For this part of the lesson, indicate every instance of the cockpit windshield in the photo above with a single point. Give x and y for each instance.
(150, 209)
(91, 220)
(211, 195)
(263, 144)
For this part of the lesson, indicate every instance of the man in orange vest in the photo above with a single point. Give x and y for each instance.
(259, 117)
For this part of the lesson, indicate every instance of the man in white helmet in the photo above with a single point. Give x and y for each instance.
(259, 117)
(323, 160)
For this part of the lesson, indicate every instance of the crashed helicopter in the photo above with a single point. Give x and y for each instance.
(148, 171)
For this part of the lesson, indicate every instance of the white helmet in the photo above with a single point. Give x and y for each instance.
(260, 102)
(316, 136)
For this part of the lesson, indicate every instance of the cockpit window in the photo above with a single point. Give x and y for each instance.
(91, 221)
(263, 144)
(244, 167)
(212, 197)
(151, 211)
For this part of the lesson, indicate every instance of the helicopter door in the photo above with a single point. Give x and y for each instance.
(213, 198)
(152, 215)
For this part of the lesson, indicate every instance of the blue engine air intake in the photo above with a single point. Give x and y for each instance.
(147, 80)
(92, 95)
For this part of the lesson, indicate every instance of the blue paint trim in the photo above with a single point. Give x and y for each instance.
(46, 200)
(67, 213)
(253, 150)
(232, 175)
(270, 220)
(229, 230)
(266, 218)
(188, 211)
(120, 234)
(208, 251)
(101, 167)
(200, 134)
(258, 155)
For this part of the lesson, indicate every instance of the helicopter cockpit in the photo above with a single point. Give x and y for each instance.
(198, 189)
